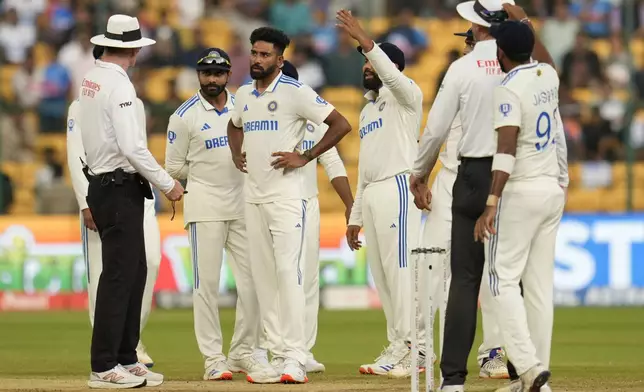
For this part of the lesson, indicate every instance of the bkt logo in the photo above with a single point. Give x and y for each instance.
(600, 251)
(217, 142)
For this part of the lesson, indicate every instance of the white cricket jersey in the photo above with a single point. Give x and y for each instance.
(76, 151)
(197, 149)
(467, 91)
(449, 155)
(275, 121)
(112, 136)
(528, 98)
(330, 160)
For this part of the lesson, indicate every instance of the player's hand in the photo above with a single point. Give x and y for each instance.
(348, 23)
(176, 193)
(485, 224)
(422, 194)
(288, 160)
(515, 12)
(352, 237)
(240, 162)
(88, 219)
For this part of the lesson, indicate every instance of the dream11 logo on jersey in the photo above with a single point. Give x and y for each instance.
(600, 260)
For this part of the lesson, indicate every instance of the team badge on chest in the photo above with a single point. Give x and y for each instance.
(272, 106)
(310, 127)
(382, 106)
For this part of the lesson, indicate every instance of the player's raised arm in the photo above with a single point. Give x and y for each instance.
(337, 173)
(176, 148)
(439, 121)
(76, 152)
(236, 138)
(540, 52)
(389, 72)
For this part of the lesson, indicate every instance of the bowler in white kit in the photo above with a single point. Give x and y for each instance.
(90, 239)
(525, 205)
(197, 150)
(264, 133)
(389, 131)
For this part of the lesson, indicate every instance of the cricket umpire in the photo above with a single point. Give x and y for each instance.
(119, 170)
(467, 87)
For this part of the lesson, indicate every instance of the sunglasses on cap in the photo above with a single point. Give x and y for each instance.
(213, 57)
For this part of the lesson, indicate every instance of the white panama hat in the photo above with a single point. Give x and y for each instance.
(481, 12)
(122, 32)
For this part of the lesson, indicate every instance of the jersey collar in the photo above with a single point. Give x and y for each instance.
(112, 66)
(373, 97)
(271, 88)
(208, 106)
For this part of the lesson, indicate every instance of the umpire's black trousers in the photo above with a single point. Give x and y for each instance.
(116, 202)
(470, 192)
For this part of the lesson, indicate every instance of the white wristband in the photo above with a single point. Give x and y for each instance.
(503, 162)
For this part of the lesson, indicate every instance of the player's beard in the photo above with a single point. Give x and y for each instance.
(212, 90)
(498, 58)
(372, 84)
(257, 72)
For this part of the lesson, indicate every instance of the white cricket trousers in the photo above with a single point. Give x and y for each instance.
(91, 243)
(437, 233)
(523, 249)
(391, 225)
(208, 240)
(275, 238)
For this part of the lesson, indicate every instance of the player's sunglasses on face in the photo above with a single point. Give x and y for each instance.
(213, 57)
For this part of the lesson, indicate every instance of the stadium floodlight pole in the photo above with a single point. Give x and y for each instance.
(629, 27)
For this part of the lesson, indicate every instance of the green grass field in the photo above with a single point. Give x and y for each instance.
(594, 350)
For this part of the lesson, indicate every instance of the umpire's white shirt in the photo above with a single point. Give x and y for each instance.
(197, 149)
(76, 151)
(466, 89)
(112, 136)
(528, 98)
(275, 121)
(330, 160)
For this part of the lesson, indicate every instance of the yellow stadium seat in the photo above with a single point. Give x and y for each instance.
(584, 200)
(638, 198)
(638, 173)
(637, 47)
(602, 47)
(349, 148)
(43, 54)
(6, 81)
(156, 145)
(583, 95)
(614, 199)
(349, 96)
(56, 141)
(619, 175)
(376, 26)
(24, 202)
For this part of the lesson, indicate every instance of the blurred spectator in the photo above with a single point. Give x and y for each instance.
(244, 16)
(55, 90)
(452, 56)
(190, 12)
(240, 63)
(28, 10)
(189, 58)
(51, 172)
(60, 22)
(324, 34)
(618, 64)
(593, 15)
(408, 38)
(16, 38)
(581, 66)
(291, 16)
(558, 34)
(343, 67)
(168, 47)
(76, 56)
(161, 111)
(127, 7)
(600, 142)
(612, 109)
(6, 189)
(308, 67)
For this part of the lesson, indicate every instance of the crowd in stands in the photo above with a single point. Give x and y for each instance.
(45, 51)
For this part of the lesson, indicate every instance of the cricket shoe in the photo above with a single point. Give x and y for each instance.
(313, 366)
(140, 370)
(517, 386)
(493, 366)
(256, 368)
(218, 371)
(386, 361)
(403, 368)
(142, 355)
(453, 388)
(535, 378)
(278, 364)
(294, 372)
(116, 378)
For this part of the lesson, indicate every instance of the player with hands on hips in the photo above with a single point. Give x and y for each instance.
(525, 205)
(389, 127)
(197, 150)
(269, 121)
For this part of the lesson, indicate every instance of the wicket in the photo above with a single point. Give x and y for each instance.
(429, 321)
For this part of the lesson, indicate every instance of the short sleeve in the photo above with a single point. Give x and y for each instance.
(507, 108)
(310, 106)
(238, 106)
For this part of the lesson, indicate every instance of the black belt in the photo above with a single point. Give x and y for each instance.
(117, 176)
(479, 159)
